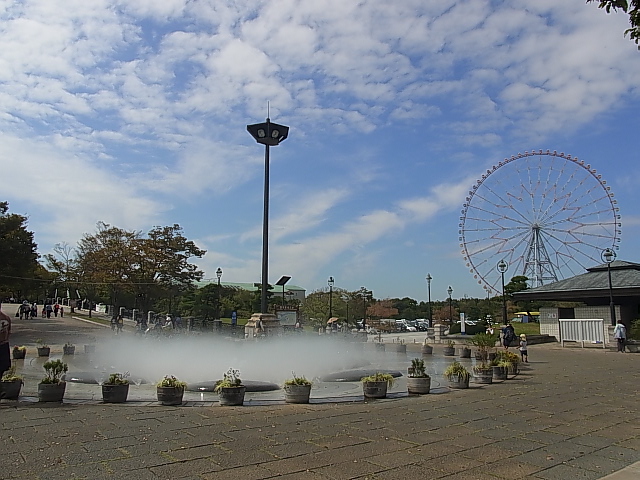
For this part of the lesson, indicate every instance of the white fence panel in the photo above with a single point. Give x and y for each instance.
(582, 330)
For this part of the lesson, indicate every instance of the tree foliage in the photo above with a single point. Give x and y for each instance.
(632, 8)
(18, 254)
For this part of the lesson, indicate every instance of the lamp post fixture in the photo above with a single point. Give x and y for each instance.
(429, 278)
(345, 298)
(219, 275)
(365, 295)
(450, 291)
(267, 134)
(330, 283)
(608, 255)
(502, 268)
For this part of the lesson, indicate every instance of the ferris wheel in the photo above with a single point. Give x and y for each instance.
(547, 215)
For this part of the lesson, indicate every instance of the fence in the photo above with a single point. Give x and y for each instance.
(582, 330)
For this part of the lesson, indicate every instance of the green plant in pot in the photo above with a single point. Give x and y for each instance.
(52, 386)
(483, 373)
(11, 384)
(43, 348)
(170, 390)
(484, 343)
(68, 349)
(449, 350)
(230, 389)
(418, 381)
(297, 389)
(376, 385)
(19, 352)
(116, 388)
(500, 369)
(457, 375)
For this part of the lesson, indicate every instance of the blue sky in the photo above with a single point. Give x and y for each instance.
(134, 113)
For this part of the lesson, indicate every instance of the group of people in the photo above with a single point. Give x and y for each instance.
(508, 335)
(30, 310)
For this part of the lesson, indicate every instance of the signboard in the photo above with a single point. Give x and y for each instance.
(463, 330)
(287, 317)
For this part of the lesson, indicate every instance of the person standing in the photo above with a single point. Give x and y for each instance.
(620, 334)
(49, 308)
(56, 308)
(5, 332)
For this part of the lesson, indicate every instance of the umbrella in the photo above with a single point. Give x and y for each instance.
(332, 319)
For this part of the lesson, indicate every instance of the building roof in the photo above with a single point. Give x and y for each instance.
(625, 281)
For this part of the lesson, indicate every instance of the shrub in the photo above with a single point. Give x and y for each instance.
(229, 379)
(456, 370)
(379, 377)
(117, 379)
(297, 380)
(171, 381)
(54, 370)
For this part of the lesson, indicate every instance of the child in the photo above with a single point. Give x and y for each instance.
(523, 348)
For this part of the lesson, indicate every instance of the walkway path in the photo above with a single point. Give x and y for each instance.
(572, 413)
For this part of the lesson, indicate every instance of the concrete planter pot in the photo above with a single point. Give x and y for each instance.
(458, 382)
(89, 348)
(11, 390)
(19, 354)
(449, 351)
(418, 385)
(51, 392)
(116, 393)
(399, 348)
(170, 396)
(374, 389)
(44, 351)
(484, 376)
(633, 346)
(426, 350)
(465, 352)
(297, 393)
(499, 373)
(71, 350)
(232, 396)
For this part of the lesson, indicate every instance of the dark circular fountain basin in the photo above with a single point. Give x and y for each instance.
(251, 385)
(356, 375)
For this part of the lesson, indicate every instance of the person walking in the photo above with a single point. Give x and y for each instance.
(5, 332)
(620, 334)
(523, 348)
(508, 335)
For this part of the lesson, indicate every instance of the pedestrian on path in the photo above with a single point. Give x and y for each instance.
(61, 311)
(523, 348)
(508, 335)
(620, 334)
(5, 332)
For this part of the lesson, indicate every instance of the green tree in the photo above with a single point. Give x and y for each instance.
(18, 255)
(632, 8)
(517, 284)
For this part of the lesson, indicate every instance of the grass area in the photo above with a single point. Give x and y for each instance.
(527, 328)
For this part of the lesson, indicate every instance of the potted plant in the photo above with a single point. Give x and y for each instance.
(10, 384)
(465, 352)
(457, 375)
(43, 348)
(449, 350)
(483, 373)
(68, 349)
(297, 389)
(418, 382)
(500, 369)
(426, 349)
(484, 342)
(52, 387)
(230, 388)
(376, 385)
(513, 360)
(116, 388)
(19, 352)
(170, 390)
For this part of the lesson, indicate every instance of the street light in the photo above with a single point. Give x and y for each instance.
(267, 134)
(450, 291)
(365, 294)
(502, 268)
(330, 283)
(609, 256)
(219, 275)
(345, 299)
(429, 278)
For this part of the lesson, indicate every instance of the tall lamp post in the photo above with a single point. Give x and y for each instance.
(218, 321)
(608, 255)
(365, 295)
(429, 278)
(502, 268)
(330, 283)
(345, 298)
(450, 291)
(267, 134)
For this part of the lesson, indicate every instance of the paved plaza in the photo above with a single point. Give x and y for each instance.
(570, 413)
